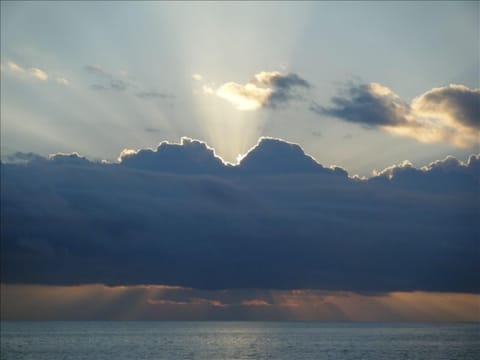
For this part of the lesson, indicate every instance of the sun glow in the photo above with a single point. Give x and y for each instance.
(156, 302)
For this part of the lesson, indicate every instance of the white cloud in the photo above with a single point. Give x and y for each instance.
(15, 67)
(38, 74)
(197, 77)
(266, 89)
(244, 97)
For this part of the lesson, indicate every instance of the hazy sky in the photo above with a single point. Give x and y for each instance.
(100, 77)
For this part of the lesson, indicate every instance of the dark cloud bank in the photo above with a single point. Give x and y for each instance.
(179, 215)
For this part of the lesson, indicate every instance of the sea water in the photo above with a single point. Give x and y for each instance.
(118, 340)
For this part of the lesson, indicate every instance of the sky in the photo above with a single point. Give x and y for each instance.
(239, 160)
(161, 49)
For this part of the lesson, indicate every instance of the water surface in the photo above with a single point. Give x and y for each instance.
(238, 340)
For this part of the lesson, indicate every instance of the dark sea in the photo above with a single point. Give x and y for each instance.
(118, 340)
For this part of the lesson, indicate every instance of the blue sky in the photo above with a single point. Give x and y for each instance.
(155, 48)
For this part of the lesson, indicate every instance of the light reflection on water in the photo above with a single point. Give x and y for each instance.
(238, 340)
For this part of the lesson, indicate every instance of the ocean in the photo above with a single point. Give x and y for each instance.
(118, 340)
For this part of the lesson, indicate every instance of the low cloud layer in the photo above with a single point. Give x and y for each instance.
(267, 89)
(179, 215)
(449, 114)
(158, 302)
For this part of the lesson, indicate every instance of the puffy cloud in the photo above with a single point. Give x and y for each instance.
(178, 215)
(190, 156)
(450, 114)
(456, 104)
(197, 77)
(267, 89)
(276, 156)
(69, 159)
(369, 104)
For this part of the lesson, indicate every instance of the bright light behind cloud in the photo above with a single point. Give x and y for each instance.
(266, 89)
(449, 114)
(243, 97)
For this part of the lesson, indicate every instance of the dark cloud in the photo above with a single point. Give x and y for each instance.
(450, 114)
(178, 215)
(287, 81)
(190, 156)
(21, 157)
(268, 89)
(69, 159)
(275, 156)
(459, 102)
(284, 87)
(367, 104)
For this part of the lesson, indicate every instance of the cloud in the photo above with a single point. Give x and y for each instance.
(369, 104)
(153, 130)
(267, 89)
(33, 72)
(151, 95)
(98, 87)
(276, 156)
(21, 157)
(449, 114)
(62, 81)
(197, 77)
(159, 302)
(190, 156)
(119, 85)
(106, 80)
(38, 74)
(178, 215)
(14, 67)
(97, 70)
